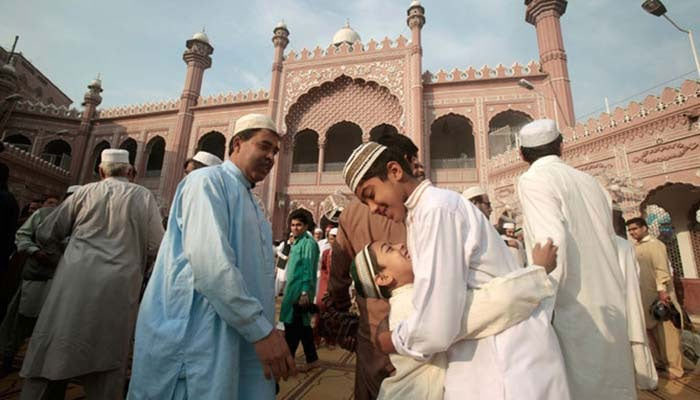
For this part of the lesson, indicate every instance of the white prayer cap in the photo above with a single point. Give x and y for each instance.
(508, 225)
(473, 192)
(360, 161)
(254, 121)
(538, 133)
(73, 188)
(333, 232)
(318, 230)
(366, 271)
(115, 156)
(206, 158)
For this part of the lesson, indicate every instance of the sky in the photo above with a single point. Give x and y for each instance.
(614, 48)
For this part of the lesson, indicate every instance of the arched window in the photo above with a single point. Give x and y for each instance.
(381, 130)
(452, 143)
(156, 154)
(19, 141)
(213, 142)
(57, 152)
(130, 146)
(341, 139)
(305, 153)
(503, 131)
(97, 155)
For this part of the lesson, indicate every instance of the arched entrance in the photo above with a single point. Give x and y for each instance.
(341, 140)
(503, 131)
(305, 151)
(130, 146)
(452, 143)
(156, 153)
(97, 156)
(57, 152)
(213, 142)
(20, 141)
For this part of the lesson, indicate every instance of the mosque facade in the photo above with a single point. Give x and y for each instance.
(328, 100)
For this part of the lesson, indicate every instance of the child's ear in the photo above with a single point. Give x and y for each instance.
(394, 170)
(383, 279)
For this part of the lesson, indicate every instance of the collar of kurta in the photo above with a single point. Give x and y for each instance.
(645, 238)
(547, 160)
(233, 168)
(413, 199)
(118, 178)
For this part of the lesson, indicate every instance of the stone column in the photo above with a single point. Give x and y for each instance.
(321, 158)
(545, 15)
(140, 161)
(80, 165)
(278, 177)
(197, 57)
(415, 21)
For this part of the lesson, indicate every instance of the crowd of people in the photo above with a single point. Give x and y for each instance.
(436, 302)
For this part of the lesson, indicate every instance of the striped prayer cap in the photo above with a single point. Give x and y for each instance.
(360, 161)
(366, 271)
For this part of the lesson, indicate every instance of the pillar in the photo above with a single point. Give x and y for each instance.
(415, 21)
(81, 165)
(321, 158)
(278, 178)
(197, 57)
(545, 16)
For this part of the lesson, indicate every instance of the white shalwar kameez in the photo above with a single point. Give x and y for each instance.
(453, 247)
(571, 208)
(644, 368)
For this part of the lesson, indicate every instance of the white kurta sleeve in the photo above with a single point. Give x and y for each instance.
(543, 219)
(440, 286)
(205, 227)
(59, 224)
(503, 302)
(155, 227)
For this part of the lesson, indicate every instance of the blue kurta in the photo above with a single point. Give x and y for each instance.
(210, 296)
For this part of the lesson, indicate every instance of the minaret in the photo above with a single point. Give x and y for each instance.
(415, 21)
(278, 174)
(80, 166)
(545, 15)
(197, 57)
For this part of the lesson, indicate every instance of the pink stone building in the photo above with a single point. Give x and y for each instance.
(329, 99)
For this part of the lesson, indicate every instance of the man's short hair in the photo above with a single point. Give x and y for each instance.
(243, 136)
(638, 221)
(115, 169)
(378, 168)
(400, 143)
(532, 154)
(303, 215)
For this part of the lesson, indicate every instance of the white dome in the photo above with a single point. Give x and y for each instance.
(281, 25)
(201, 36)
(414, 3)
(346, 34)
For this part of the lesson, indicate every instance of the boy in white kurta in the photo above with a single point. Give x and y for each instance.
(454, 248)
(503, 302)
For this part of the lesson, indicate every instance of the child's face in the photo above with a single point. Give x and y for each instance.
(384, 197)
(396, 263)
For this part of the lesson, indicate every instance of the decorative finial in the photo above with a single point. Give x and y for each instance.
(347, 22)
(204, 29)
(99, 76)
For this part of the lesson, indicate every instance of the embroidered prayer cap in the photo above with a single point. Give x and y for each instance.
(206, 158)
(539, 132)
(254, 121)
(508, 225)
(115, 156)
(333, 205)
(73, 188)
(473, 192)
(359, 163)
(366, 272)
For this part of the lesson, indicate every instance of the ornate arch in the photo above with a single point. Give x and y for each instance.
(387, 73)
(366, 103)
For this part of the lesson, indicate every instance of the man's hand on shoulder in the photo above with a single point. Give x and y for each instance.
(545, 256)
(273, 353)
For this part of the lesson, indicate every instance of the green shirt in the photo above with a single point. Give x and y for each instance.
(301, 276)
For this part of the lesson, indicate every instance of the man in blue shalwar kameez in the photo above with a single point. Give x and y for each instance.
(205, 326)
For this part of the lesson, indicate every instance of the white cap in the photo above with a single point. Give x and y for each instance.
(538, 133)
(473, 192)
(333, 232)
(508, 225)
(73, 188)
(318, 230)
(115, 156)
(254, 121)
(206, 158)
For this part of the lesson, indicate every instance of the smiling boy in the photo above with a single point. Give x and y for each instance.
(453, 248)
